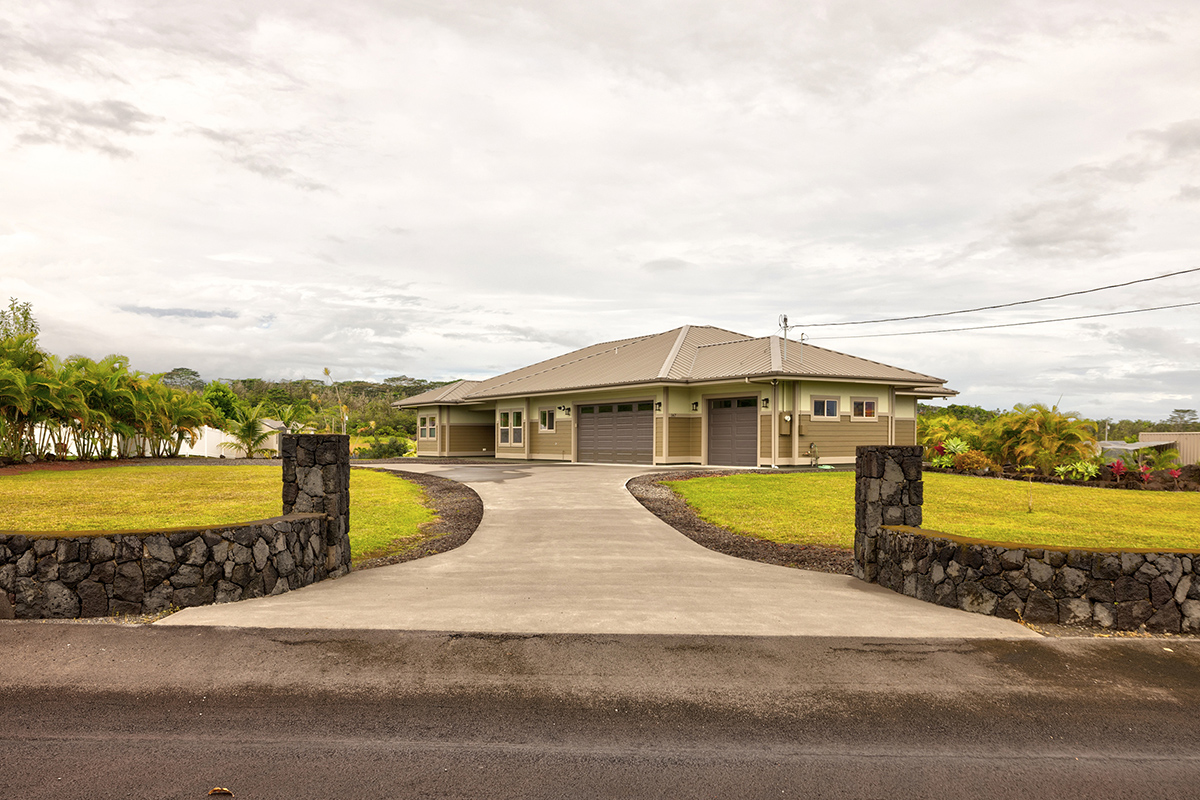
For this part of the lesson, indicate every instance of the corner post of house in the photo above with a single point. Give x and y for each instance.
(525, 429)
(316, 479)
(666, 420)
(888, 490)
(795, 423)
(775, 423)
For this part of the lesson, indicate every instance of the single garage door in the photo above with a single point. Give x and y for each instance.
(617, 433)
(733, 432)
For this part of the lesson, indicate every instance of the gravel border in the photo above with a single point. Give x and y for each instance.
(459, 511)
(673, 510)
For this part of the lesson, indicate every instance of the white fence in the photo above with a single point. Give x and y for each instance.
(208, 445)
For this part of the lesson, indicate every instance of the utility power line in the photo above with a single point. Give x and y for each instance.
(1005, 305)
(1009, 324)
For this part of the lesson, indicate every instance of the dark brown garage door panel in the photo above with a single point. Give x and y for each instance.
(621, 433)
(733, 432)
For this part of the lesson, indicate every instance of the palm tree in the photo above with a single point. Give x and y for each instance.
(293, 416)
(1041, 436)
(248, 432)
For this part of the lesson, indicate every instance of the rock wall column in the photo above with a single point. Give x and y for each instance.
(887, 491)
(316, 478)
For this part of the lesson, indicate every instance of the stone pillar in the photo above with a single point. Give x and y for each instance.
(316, 478)
(887, 491)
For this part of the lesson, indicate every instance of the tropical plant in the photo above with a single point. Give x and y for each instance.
(248, 432)
(1175, 474)
(945, 452)
(973, 461)
(1118, 470)
(293, 416)
(932, 430)
(1078, 470)
(1040, 436)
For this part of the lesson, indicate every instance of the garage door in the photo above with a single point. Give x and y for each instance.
(617, 433)
(733, 432)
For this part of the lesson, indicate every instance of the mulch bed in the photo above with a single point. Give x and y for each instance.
(671, 509)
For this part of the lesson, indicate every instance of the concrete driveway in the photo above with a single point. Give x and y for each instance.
(564, 548)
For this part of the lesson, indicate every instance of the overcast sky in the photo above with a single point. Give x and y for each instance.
(457, 189)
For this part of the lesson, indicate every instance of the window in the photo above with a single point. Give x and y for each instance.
(511, 427)
(862, 409)
(546, 420)
(825, 408)
(427, 427)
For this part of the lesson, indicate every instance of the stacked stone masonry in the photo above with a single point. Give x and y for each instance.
(1114, 590)
(139, 573)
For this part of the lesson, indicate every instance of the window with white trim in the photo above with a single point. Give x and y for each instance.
(862, 409)
(825, 408)
(545, 420)
(511, 427)
(427, 427)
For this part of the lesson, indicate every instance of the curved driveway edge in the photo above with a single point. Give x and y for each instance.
(564, 548)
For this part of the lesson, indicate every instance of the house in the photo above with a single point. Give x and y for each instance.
(691, 395)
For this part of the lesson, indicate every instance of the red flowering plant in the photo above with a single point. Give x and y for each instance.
(1118, 470)
(1175, 474)
(1144, 473)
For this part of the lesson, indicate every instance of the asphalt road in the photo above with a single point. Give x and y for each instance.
(104, 711)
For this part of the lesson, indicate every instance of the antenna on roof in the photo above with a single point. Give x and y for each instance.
(784, 324)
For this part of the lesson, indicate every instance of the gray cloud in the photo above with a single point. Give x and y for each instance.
(666, 265)
(190, 313)
(96, 125)
(1070, 227)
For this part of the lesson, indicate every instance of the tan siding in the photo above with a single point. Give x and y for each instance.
(785, 447)
(906, 431)
(838, 439)
(552, 445)
(764, 439)
(685, 437)
(427, 447)
(472, 439)
(658, 437)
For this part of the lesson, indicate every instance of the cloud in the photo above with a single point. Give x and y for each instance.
(1067, 227)
(667, 265)
(96, 125)
(190, 313)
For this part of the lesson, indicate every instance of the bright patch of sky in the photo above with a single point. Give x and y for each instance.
(256, 189)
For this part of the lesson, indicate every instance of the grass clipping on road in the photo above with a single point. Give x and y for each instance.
(816, 508)
(386, 512)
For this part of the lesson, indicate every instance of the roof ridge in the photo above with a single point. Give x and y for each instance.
(669, 363)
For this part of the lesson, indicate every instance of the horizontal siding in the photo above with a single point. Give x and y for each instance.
(477, 439)
(427, 447)
(553, 445)
(906, 431)
(658, 437)
(685, 437)
(764, 438)
(839, 439)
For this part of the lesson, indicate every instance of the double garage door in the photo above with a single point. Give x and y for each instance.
(616, 433)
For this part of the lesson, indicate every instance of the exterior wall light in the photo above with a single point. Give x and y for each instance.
(766, 402)
(658, 406)
(695, 406)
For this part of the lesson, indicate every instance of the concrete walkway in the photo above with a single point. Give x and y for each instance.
(564, 548)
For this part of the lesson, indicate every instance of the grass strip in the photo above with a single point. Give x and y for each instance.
(815, 508)
(386, 512)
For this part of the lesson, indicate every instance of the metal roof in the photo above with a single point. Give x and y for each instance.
(689, 354)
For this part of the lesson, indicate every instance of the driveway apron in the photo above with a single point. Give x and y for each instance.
(564, 548)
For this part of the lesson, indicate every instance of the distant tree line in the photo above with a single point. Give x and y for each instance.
(1108, 429)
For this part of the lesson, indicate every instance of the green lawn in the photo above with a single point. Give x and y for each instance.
(816, 508)
(386, 512)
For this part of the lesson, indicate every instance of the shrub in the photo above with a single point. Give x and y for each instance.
(392, 448)
(1078, 470)
(972, 461)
